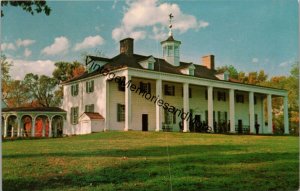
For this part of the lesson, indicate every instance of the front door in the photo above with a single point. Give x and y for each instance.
(145, 122)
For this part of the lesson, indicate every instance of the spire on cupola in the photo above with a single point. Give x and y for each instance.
(171, 47)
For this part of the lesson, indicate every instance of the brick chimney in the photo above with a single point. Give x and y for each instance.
(126, 46)
(209, 61)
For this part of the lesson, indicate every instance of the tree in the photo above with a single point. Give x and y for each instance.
(5, 77)
(231, 69)
(66, 70)
(42, 88)
(18, 94)
(30, 6)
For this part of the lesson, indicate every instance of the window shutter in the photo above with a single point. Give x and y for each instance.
(72, 90)
(87, 87)
(92, 108)
(92, 89)
(166, 89)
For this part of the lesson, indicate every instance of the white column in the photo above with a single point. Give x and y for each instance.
(19, 126)
(158, 108)
(33, 127)
(12, 131)
(43, 127)
(186, 106)
(262, 125)
(5, 126)
(251, 112)
(50, 127)
(286, 115)
(127, 104)
(270, 123)
(210, 106)
(107, 106)
(232, 110)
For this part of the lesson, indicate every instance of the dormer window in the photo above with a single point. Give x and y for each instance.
(148, 63)
(191, 71)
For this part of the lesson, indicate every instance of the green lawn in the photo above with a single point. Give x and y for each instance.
(139, 161)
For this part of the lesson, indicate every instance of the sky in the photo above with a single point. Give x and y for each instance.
(250, 35)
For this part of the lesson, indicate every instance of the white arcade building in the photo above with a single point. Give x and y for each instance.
(160, 93)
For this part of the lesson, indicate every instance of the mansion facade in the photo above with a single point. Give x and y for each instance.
(145, 93)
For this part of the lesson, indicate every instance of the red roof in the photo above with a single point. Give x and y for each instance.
(92, 115)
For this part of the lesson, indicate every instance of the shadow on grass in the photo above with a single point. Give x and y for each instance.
(193, 167)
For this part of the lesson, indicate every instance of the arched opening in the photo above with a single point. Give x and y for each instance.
(26, 125)
(41, 126)
(2, 125)
(12, 126)
(57, 126)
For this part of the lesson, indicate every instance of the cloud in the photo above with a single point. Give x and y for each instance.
(142, 15)
(89, 42)
(21, 67)
(25, 42)
(285, 63)
(7, 46)
(60, 46)
(27, 52)
(255, 60)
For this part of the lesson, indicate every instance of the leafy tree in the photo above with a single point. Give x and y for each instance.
(5, 77)
(18, 94)
(66, 70)
(30, 6)
(231, 69)
(42, 88)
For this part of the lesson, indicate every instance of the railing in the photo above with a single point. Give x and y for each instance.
(167, 127)
(242, 129)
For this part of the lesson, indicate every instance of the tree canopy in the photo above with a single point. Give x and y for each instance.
(30, 6)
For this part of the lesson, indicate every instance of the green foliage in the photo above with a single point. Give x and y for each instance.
(64, 70)
(140, 161)
(42, 89)
(30, 6)
(231, 69)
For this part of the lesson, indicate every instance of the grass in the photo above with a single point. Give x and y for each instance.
(140, 161)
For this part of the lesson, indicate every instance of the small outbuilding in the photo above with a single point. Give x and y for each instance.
(90, 122)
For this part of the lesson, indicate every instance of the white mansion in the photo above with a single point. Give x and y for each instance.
(162, 94)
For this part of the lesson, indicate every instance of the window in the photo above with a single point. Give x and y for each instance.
(150, 66)
(121, 85)
(89, 108)
(121, 112)
(176, 50)
(89, 86)
(170, 51)
(221, 96)
(74, 115)
(74, 89)
(164, 50)
(191, 72)
(255, 100)
(169, 90)
(239, 98)
(145, 87)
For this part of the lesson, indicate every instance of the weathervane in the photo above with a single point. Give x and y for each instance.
(170, 25)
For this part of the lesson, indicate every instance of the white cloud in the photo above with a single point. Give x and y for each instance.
(25, 42)
(27, 52)
(89, 42)
(21, 67)
(141, 15)
(7, 46)
(285, 63)
(60, 46)
(255, 60)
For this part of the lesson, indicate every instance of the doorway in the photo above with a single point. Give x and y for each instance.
(144, 122)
